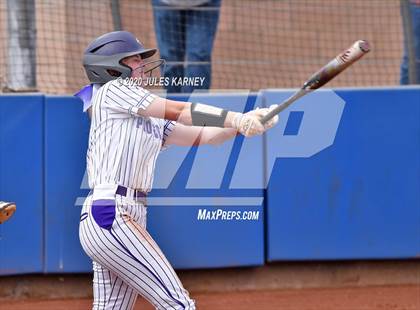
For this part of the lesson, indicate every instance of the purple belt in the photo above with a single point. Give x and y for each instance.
(122, 190)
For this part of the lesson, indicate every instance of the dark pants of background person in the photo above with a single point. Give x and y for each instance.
(415, 17)
(186, 35)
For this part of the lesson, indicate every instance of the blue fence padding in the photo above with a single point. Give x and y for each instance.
(66, 136)
(189, 243)
(206, 172)
(359, 198)
(21, 181)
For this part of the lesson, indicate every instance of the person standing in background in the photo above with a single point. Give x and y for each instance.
(185, 32)
(414, 19)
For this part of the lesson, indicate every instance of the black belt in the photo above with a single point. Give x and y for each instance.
(122, 190)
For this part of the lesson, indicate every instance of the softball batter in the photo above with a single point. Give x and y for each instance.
(129, 127)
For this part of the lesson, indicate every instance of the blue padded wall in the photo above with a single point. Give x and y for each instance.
(21, 181)
(342, 171)
(358, 198)
(66, 136)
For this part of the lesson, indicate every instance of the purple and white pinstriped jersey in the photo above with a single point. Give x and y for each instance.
(123, 146)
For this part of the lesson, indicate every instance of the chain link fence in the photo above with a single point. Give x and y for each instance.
(258, 43)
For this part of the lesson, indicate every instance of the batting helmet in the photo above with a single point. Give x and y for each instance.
(104, 54)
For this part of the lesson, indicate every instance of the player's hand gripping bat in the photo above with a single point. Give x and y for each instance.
(324, 75)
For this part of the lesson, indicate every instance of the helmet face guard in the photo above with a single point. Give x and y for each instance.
(106, 52)
(148, 67)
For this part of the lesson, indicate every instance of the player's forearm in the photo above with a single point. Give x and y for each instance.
(216, 136)
(206, 115)
(190, 114)
(203, 115)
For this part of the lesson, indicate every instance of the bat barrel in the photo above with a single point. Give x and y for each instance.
(338, 64)
(364, 45)
(325, 74)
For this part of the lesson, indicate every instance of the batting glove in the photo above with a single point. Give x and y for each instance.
(248, 124)
(263, 112)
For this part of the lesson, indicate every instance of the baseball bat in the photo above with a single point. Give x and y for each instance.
(324, 75)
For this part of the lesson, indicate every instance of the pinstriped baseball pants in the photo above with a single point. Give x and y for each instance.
(126, 260)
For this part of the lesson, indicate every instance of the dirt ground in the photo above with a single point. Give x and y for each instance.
(381, 297)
